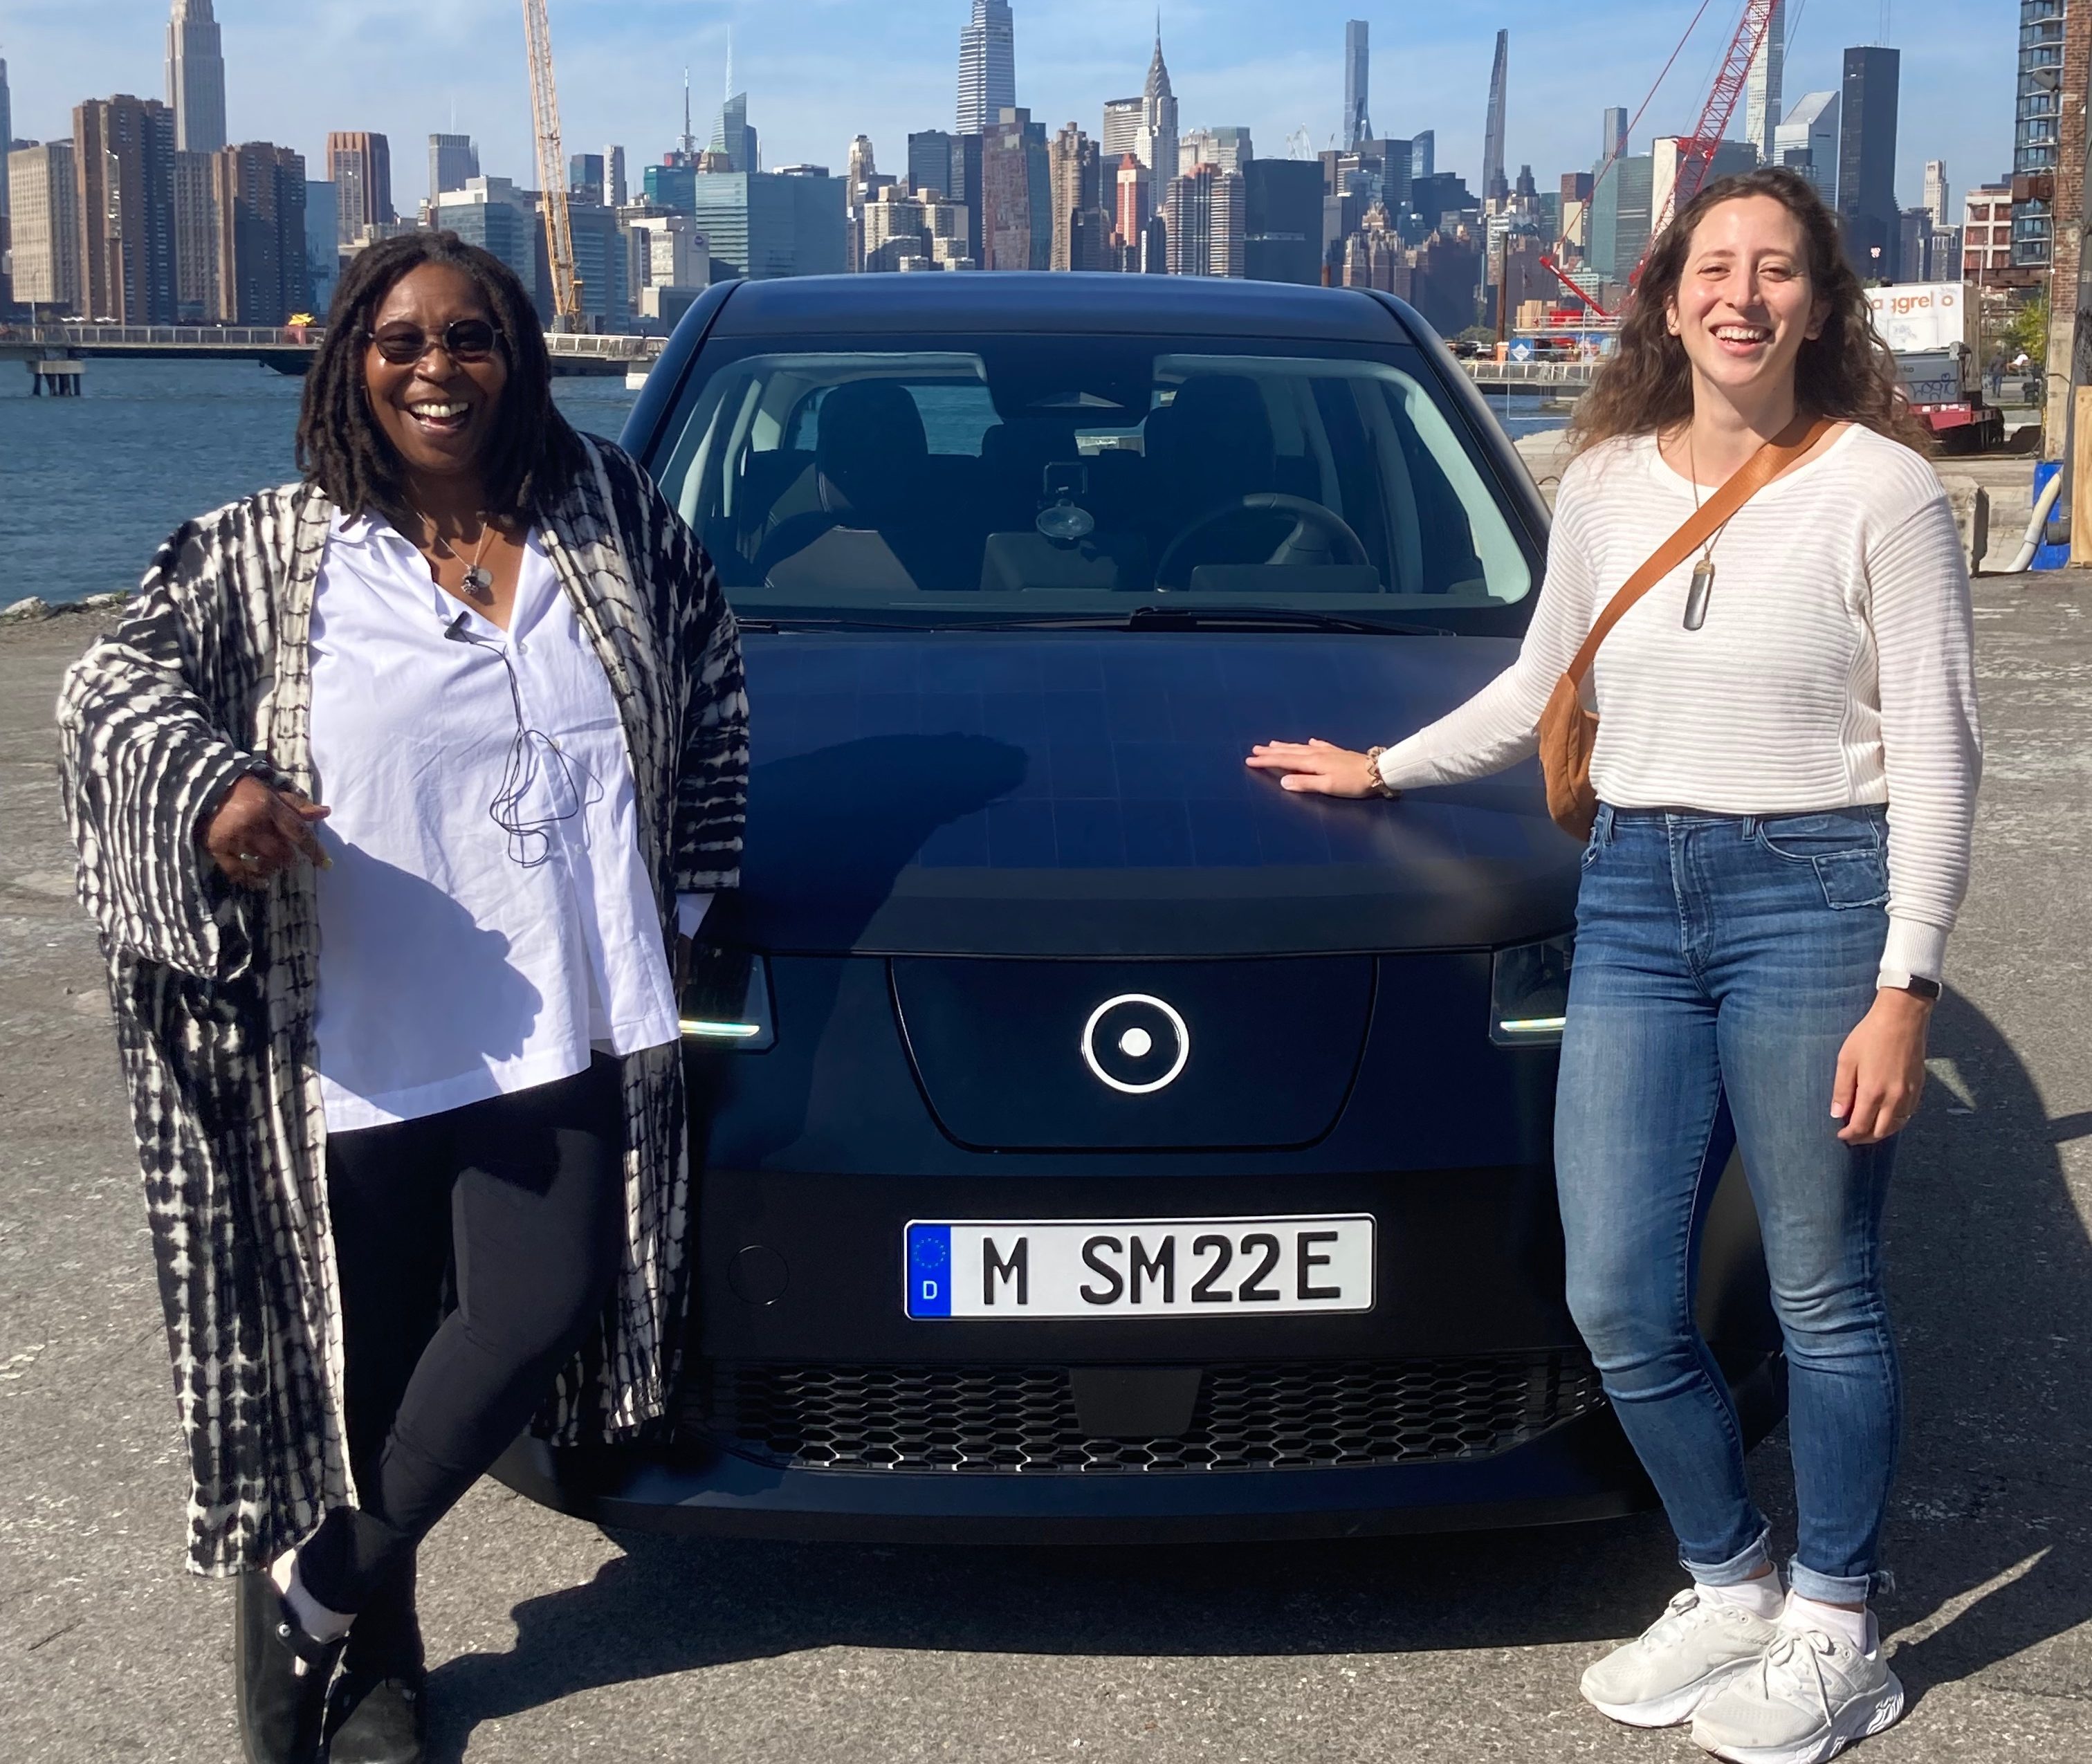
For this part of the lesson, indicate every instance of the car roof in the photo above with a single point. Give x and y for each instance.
(1079, 303)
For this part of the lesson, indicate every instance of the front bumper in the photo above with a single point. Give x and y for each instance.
(800, 1281)
(1582, 1470)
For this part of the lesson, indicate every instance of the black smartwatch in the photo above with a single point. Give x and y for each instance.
(1918, 987)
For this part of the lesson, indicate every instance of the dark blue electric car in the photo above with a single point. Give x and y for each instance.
(1097, 1141)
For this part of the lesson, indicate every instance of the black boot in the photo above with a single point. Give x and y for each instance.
(283, 1676)
(373, 1720)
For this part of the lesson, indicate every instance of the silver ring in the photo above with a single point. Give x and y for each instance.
(248, 857)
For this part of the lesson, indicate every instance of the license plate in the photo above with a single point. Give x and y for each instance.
(991, 1268)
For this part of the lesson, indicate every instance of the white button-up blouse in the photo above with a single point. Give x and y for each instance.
(487, 920)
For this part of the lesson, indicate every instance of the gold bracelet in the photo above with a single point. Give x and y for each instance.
(1381, 786)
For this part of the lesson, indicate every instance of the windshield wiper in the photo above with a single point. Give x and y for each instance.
(1151, 618)
(1212, 619)
(1145, 618)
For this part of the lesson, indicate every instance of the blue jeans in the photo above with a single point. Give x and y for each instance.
(1720, 962)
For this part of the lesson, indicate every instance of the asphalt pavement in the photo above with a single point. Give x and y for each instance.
(552, 1640)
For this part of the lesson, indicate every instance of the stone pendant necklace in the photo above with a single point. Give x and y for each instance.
(478, 580)
(1703, 571)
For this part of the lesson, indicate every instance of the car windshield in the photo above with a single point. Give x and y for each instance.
(1029, 478)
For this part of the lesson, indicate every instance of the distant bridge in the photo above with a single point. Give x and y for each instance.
(288, 349)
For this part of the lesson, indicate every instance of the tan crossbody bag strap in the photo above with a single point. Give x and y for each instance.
(1759, 470)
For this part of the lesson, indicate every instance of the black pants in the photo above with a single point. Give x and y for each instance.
(521, 1196)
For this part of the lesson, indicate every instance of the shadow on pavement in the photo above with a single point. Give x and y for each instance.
(1991, 1277)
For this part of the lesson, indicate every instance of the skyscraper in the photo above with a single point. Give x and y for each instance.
(1762, 96)
(43, 206)
(1867, 211)
(930, 162)
(123, 162)
(863, 167)
(585, 177)
(1125, 119)
(1808, 141)
(1283, 220)
(360, 168)
(1158, 113)
(1613, 134)
(1358, 126)
(453, 163)
(1074, 174)
(1620, 221)
(197, 296)
(1670, 155)
(196, 78)
(613, 159)
(773, 223)
(1017, 215)
(2037, 133)
(1129, 209)
(1935, 191)
(322, 243)
(1228, 148)
(7, 131)
(950, 165)
(258, 193)
(1494, 184)
(987, 66)
(1206, 219)
(732, 137)
(1424, 153)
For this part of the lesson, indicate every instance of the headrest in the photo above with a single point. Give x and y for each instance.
(1213, 440)
(871, 441)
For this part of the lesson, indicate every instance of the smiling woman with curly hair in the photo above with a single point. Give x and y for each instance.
(1786, 765)
(398, 792)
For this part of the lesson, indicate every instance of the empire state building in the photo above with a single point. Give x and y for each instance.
(196, 78)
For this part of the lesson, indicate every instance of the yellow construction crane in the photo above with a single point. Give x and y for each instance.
(551, 169)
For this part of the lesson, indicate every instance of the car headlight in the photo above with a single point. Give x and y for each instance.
(726, 1000)
(1529, 993)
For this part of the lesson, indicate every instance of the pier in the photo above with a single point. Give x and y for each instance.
(55, 353)
(1565, 381)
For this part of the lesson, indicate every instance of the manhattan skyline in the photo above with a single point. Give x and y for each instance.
(818, 72)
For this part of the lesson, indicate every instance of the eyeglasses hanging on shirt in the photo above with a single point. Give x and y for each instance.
(534, 760)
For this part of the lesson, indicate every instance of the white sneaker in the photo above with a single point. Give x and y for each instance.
(1687, 1655)
(1810, 1697)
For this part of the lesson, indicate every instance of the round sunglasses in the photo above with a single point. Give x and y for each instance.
(463, 339)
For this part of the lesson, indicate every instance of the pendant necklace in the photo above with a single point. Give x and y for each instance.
(1703, 571)
(478, 580)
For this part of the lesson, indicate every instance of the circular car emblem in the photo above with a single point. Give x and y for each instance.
(1136, 1042)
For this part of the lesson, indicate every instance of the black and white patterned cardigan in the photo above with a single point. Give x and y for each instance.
(207, 677)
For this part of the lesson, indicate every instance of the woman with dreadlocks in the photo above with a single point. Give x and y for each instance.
(398, 792)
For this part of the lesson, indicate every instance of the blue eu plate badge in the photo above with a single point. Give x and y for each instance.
(929, 1270)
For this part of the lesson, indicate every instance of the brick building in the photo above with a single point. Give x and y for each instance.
(1987, 236)
(2068, 212)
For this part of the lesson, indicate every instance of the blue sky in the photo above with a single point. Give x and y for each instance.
(819, 71)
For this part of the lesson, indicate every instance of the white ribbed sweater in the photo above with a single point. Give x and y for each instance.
(1835, 666)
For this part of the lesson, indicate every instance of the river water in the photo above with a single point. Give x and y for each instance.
(90, 486)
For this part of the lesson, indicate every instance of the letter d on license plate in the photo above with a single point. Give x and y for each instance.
(983, 1269)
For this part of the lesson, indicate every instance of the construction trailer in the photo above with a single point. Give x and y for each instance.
(1931, 326)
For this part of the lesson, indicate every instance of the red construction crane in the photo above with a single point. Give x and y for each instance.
(1696, 152)
(1570, 283)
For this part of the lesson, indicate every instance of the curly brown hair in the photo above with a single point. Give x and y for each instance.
(1846, 371)
(534, 453)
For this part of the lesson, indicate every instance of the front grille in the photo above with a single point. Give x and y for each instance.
(1021, 1420)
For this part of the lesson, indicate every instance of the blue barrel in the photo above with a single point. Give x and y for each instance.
(2046, 556)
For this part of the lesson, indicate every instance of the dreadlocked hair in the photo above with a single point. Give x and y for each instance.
(1846, 372)
(533, 452)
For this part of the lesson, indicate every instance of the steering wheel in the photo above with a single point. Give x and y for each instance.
(1319, 534)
